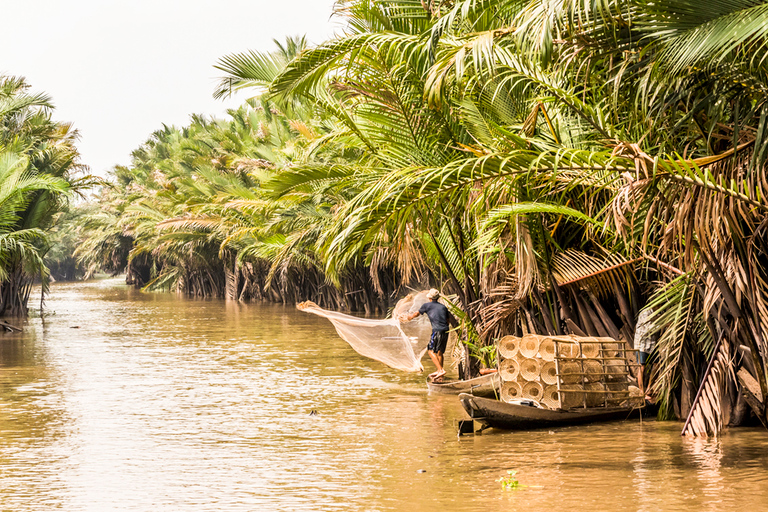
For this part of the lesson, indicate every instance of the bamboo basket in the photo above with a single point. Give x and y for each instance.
(529, 345)
(511, 391)
(547, 349)
(509, 369)
(590, 347)
(530, 369)
(615, 369)
(593, 370)
(568, 349)
(533, 391)
(509, 346)
(551, 397)
(619, 390)
(571, 395)
(570, 372)
(598, 398)
(549, 373)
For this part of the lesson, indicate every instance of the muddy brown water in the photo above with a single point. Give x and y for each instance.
(123, 400)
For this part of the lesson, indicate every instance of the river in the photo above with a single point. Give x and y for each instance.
(123, 400)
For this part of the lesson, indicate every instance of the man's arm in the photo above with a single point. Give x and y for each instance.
(408, 318)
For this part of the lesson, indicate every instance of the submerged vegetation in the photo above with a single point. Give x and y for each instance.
(556, 166)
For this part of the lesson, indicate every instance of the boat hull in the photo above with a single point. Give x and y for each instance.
(484, 386)
(497, 414)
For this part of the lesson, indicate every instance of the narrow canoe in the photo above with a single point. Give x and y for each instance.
(497, 414)
(484, 385)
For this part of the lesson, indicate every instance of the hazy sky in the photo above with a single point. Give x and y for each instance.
(118, 70)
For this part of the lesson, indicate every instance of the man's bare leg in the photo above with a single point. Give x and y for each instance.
(441, 370)
(437, 358)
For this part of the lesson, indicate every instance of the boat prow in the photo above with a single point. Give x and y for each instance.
(498, 414)
(484, 386)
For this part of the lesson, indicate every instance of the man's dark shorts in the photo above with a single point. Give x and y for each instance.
(438, 341)
(642, 357)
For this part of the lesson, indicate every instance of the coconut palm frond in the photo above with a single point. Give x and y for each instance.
(582, 270)
(705, 417)
(711, 32)
(255, 69)
(676, 323)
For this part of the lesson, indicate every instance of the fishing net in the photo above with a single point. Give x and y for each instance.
(571, 395)
(590, 348)
(568, 350)
(593, 370)
(570, 372)
(616, 370)
(400, 345)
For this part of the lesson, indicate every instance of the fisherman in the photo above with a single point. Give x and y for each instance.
(645, 340)
(441, 320)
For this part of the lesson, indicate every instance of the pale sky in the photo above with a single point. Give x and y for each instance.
(119, 70)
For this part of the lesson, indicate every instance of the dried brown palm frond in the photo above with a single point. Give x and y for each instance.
(500, 304)
(303, 129)
(526, 266)
(600, 275)
(682, 202)
(402, 252)
(706, 415)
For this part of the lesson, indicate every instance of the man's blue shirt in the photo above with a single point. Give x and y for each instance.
(437, 313)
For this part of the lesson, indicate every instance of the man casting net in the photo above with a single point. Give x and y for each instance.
(396, 344)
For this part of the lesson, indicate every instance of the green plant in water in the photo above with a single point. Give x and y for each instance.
(510, 482)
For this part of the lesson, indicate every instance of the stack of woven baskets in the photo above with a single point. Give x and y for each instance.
(563, 372)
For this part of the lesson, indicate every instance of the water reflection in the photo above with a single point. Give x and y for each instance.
(134, 401)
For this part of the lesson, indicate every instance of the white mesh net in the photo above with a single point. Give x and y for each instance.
(396, 344)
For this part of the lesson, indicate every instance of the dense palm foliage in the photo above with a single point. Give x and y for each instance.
(557, 165)
(37, 155)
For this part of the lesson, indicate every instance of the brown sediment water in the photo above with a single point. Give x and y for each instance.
(158, 402)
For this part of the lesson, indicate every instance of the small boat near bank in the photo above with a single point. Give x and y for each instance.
(512, 416)
(482, 386)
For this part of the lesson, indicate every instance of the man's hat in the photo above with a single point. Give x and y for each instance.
(433, 294)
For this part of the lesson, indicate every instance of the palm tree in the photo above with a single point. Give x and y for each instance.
(586, 107)
(36, 158)
(557, 166)
(21, 248)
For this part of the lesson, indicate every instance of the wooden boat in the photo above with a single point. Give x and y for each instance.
(484, 385)
(498, 414)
